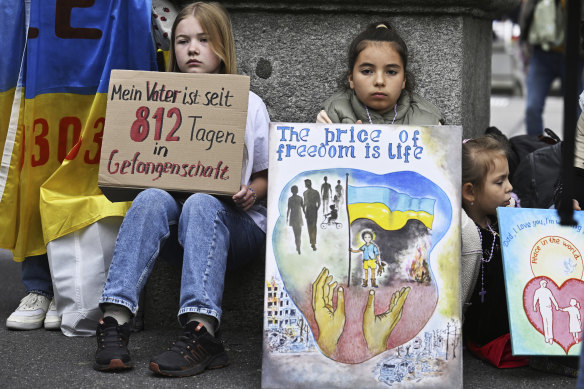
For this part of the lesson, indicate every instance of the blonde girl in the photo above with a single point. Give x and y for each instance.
(203, 233)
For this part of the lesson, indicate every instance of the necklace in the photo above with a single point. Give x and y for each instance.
(483, 291)
(369, 116)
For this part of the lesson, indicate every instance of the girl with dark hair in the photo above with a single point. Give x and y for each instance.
(380, 87)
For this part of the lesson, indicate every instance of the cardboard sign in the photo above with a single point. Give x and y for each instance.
(175, 131)
(362, 257)
(544, 280)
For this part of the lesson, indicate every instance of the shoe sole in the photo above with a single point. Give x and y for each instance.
(114, 365)
(52, 326)
(216, 363)
(16, 325)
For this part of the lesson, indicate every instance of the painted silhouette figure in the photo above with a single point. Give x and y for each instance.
(339, 192)
(337, 201)
(294, 215)
(332, 215)
(370, 257)
(545, 298)
(311, 205)
(575, 319)
(326, 193)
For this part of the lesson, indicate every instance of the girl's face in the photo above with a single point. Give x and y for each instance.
(378, 76)
(192, 48)
(496, 190)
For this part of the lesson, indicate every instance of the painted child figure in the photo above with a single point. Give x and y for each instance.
(206, 234)
(380, 88)
(332, 215)
(371, 257)
(575, 319)
(485, 186)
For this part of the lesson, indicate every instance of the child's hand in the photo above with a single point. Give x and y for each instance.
(322, 117)
(244, 199)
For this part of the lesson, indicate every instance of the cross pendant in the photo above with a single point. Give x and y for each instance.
(483, 292)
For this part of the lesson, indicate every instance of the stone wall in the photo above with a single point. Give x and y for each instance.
(295, 52)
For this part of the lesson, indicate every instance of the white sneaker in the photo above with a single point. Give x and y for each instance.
(30, 314)
(52, 319)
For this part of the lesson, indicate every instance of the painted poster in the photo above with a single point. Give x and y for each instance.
(362, 257)
(544, 280)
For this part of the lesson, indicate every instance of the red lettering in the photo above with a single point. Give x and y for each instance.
(41, 141)
(174, 112)
(109, 162)
(159, 117)
(140, 127)
(97, 139)
(68, 148)
(63, 27)
(125, 164)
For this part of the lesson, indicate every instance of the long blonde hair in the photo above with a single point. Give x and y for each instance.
(215, 22)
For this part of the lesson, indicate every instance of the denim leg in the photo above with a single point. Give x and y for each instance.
(36, 275)
(580, 382)
(215, 235)
(544, 67)
(143, 231)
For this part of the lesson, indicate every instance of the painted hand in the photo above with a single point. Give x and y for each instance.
(330, 322)
(377, 328)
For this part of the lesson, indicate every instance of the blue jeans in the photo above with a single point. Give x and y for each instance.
(213, 234)
(36, 275)
(544, 68)
(580, 381)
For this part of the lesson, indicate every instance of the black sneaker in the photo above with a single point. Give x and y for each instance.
(195, 351)
(112, 345)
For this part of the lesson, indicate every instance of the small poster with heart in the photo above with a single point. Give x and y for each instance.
(363, 257)
(544, 280)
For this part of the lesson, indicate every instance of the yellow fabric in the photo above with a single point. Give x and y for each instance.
(385, 218)
(72, 189)
(53, 123)
(6, 99)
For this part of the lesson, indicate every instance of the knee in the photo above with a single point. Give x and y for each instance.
(202, 203)
(152, 199)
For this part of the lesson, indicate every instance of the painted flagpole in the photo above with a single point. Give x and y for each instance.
(349, 226)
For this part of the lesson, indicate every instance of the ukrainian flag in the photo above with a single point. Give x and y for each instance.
(54, 83)
(388, 208)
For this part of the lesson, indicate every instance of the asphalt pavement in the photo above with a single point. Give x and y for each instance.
(49, 359)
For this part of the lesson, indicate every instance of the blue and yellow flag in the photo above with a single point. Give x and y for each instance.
(390, 209)
(48, 174)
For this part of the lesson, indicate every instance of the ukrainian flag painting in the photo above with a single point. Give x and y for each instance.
(388, 208)
(53, 89)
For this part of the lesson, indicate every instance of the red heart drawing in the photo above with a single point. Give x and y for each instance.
(563, 323)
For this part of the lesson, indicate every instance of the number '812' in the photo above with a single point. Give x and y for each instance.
(141, 126)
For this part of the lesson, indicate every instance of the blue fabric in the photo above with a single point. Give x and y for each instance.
(214, 235)
(111, 30)
(36, 275)
(544, 68)
(12, 29)
(393, 199)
